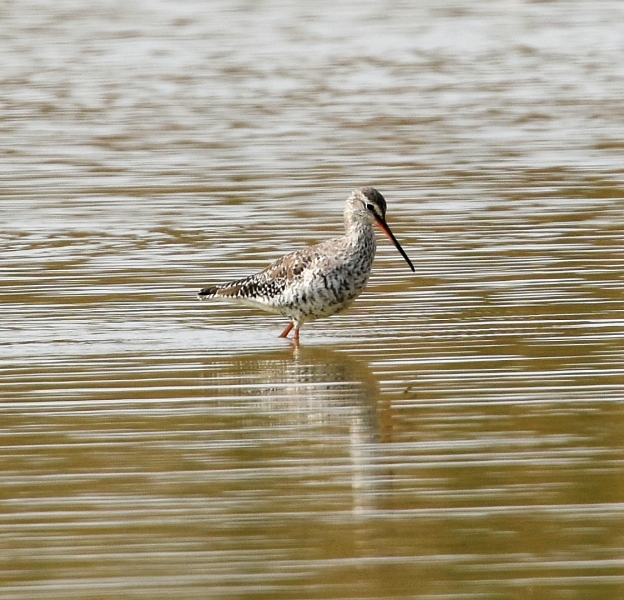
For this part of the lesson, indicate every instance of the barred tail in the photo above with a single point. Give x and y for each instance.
(257, 290)
(208, 292)
(233, 289)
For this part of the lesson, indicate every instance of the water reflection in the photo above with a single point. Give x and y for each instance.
(315, 398)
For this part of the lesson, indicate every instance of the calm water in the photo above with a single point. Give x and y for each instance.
(456, 435)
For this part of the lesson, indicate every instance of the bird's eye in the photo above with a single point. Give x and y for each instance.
(370, 207)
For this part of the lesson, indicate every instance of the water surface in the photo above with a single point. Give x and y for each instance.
(457, 434)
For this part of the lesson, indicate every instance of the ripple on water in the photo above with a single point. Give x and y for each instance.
(457, 434)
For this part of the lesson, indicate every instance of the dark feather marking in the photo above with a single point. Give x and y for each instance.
(207, 292)
(270, 282)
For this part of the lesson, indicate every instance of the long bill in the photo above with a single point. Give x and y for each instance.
(386, 229)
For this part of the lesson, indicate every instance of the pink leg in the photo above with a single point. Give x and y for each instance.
(287, 330)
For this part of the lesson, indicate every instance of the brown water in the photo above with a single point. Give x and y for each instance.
(455, 435)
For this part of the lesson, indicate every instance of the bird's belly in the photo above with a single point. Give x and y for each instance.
(319, 294)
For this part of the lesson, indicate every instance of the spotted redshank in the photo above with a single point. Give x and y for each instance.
(322, 280)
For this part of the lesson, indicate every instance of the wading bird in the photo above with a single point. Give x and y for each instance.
(317, 281)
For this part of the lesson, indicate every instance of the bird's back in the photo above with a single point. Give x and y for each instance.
(312, 282)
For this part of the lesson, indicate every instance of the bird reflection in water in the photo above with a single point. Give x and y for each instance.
(309, 408)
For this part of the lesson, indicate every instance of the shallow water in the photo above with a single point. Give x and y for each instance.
(456, 434)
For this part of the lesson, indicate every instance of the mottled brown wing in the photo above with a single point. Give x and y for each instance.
(268, 283)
